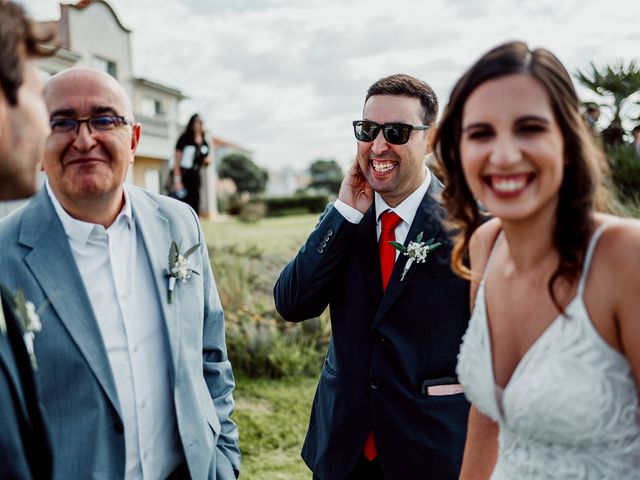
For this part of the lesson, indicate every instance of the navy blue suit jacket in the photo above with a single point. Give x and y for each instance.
(385, 347)
(24, 442)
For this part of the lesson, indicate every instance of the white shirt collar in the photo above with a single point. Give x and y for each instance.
(406, 209)
(79, 231)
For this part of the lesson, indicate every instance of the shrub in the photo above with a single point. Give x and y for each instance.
(252, 212)
(294, 205)
(287, 212)
(624, 162)
(229, 203)
(259, 341)
(262, 344)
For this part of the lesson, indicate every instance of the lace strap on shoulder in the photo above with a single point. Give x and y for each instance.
(586, 264)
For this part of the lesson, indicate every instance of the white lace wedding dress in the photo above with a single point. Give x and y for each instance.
(570, 409)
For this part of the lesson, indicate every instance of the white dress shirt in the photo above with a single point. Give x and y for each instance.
(117, 276)
(406, 210)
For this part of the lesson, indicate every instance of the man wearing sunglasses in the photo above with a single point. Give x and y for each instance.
(132, 360)
(388, 404)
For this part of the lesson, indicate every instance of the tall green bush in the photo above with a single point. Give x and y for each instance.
(624, 162)
(259, 341)
(295, 205)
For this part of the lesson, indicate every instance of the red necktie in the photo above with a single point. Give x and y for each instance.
(389, 221)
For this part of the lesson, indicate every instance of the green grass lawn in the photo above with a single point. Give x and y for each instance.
(279, 235)
(272, 415)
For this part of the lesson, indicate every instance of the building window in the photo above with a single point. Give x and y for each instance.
(151, 107)
(105, 65)
(159, 108)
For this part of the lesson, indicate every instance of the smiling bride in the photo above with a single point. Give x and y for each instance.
(551, 358)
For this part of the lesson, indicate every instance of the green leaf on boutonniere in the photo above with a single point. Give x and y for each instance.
(20, 302)
(191, 250)
(398, 246)
(419, 238)
(173, 254)
(3, 325)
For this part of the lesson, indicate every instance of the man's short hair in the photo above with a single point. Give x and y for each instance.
(401, 84)
(17, 35)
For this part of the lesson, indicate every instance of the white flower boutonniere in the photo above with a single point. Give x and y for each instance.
(179, 267)
(29, 318)
(417, 251)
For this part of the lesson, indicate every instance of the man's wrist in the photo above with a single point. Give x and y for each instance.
(347, 211)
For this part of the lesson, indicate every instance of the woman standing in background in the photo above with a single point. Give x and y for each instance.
(192, 152)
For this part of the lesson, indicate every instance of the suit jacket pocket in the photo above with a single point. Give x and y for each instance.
(437, 382)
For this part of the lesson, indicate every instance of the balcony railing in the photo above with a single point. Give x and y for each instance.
(155, 126)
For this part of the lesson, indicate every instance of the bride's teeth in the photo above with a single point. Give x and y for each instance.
(508, 185)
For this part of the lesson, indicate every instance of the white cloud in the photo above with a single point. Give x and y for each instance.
(286, 77)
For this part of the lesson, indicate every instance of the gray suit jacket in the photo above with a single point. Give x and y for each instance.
(77, 386)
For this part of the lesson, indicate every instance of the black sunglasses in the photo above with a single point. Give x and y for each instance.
(396, 133)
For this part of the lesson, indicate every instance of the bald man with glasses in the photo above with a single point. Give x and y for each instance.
(133, 366)
(388, 404)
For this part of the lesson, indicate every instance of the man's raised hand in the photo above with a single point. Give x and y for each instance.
(355, 191)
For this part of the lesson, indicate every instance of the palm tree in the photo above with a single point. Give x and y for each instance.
(615, 81)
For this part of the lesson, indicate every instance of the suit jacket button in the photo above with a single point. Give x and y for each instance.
(118, 427)
(375, 384)
(329, 232)
(320, 250)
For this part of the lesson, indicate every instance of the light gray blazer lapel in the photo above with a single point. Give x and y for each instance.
(54, 268)
(156, 237)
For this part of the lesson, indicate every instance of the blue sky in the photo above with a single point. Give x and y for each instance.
(285, 78)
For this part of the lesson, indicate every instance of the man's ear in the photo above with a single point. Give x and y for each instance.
(431, 135)
(135, 138)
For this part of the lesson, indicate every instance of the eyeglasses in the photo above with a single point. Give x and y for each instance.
(396, 133)
(99, 123)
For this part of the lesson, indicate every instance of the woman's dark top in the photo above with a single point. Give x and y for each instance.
(191, 175)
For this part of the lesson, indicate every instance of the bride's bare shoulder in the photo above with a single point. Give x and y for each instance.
(617, 255)
(482, 242)
(621, 239)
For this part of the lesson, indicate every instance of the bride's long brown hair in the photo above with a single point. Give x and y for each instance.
(581, 191)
